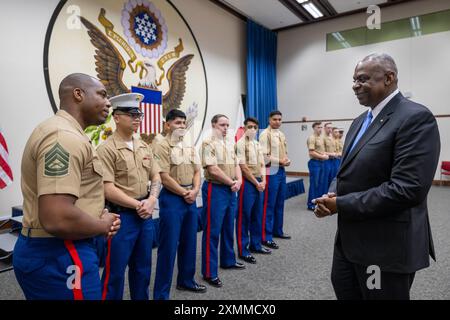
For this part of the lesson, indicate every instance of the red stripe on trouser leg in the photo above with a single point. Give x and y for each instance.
(208, 230)
(240, 218)
(107, 270)
(77, 292)
(266, 198)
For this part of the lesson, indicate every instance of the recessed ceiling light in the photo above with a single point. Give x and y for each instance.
(302, 1)
(312, 9)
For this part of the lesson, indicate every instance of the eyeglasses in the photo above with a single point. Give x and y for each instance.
(133, 115)
(252, 127)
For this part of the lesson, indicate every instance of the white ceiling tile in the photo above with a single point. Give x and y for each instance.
(270, 13)
(349, 5)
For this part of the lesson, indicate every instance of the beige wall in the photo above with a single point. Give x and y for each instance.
(24, 100)
(317, 84)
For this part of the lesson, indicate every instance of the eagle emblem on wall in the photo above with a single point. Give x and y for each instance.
(146, 33)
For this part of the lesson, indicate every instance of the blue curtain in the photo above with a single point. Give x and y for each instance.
(261, 72)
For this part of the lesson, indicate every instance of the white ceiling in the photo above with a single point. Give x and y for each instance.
(270, 13)
(350, 5)
(273, 14)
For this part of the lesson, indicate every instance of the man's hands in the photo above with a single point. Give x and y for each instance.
(236, 185)
(190, 196)
(325, 206)
(146, 207)
(261, 186)
(285, 162)
(112, 221)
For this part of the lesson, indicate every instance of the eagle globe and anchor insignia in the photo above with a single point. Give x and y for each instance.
(154, 65)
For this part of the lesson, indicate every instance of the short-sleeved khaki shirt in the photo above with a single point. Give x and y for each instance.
(157, 139)
(316, 143)
(329, 144)
(177, 159)
(339, 145)
(273, 143)
(250, 153)
(221, 153)
(129, 170)
(59, 159)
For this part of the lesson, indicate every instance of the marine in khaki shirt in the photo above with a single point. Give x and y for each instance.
(274, 147)
(339, 146)
(315, 144)
(249, 152)
(59, 159)
(328, 140)
(180, 175)
(63, 199)
(129, 169)
(250, 213)
(223, 178)
(177, 159)
(218, 151)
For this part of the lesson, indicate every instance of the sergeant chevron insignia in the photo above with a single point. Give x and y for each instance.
(56, 162)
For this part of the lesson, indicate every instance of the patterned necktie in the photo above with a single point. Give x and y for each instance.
(363, 129)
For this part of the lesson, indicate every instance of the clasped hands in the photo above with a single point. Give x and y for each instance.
(285, 162)
(326, 205)
(146, 207)
(190, 196)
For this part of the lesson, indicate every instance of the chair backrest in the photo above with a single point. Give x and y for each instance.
(445, 165)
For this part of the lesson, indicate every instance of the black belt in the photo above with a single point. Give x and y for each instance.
(112, 207)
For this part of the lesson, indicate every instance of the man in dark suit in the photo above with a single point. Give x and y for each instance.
(390, 157)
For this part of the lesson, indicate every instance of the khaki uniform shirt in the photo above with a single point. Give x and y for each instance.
(315, 143)
(273, 143)
(157, 139)
(339, 146)
(177, 159)
(250, 153)
(129, 170)
(59, 159)
(219, 152)
(329, 144)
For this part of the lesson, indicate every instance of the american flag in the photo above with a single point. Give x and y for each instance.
(6, 176)
(151, 106)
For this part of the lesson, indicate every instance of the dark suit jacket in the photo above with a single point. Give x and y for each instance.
(382, 188)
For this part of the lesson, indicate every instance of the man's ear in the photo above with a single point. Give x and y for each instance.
(116, 118)
(389, 78)
(78, 94)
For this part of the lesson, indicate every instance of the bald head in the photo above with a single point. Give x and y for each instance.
(383, 61)
(85, 98)
(74, 81)
(374, 79)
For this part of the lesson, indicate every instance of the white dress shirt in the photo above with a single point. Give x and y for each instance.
(376, 111)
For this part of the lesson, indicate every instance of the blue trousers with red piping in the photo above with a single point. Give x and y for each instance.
(177, 232)
(56, 269)
(249, 218)
(273, 207)
(132, 247)
(218, 215)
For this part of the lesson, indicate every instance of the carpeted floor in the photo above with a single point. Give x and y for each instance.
(300, 269)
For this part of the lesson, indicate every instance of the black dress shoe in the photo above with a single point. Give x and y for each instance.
(237, 265)
(283, 236)
(270, 244)
(249, 259)
(197, 288)
(261, 251)
(214, 282)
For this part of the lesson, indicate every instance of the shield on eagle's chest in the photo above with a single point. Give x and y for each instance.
(151, 106)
